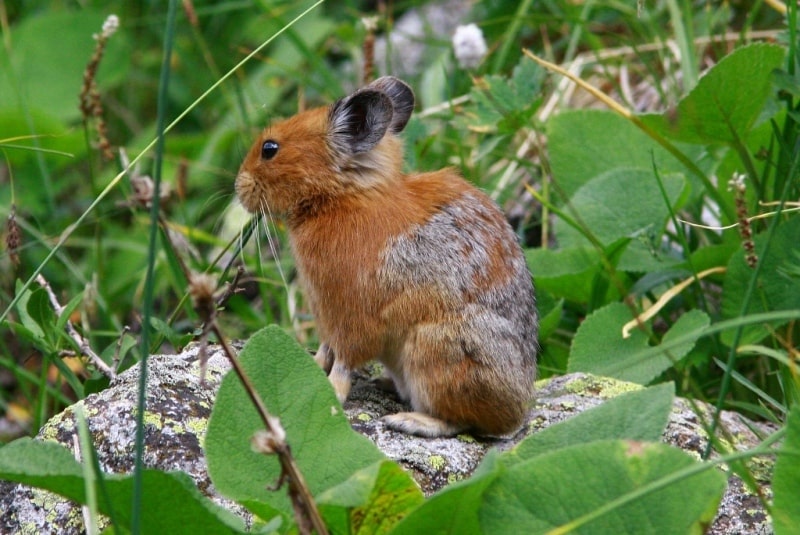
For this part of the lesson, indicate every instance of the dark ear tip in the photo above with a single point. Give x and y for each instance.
(359, 121)
(401, 96)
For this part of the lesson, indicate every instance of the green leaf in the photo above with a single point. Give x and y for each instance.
(599, 348)
(172, 503)
(638, 415)
(41, 312)
(584, 144)
(296, 390)
(564, 272)
(507, 103)
(373, 500)
(728, 101)
(29, 324)
(550, 312)
(621, 203)
(67, 311)
(774, 289)
(455, 508)
(174, 337)
(48, 78)
(602, 487)
(786, 480)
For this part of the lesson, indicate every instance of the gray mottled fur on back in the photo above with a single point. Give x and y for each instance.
(449, 254)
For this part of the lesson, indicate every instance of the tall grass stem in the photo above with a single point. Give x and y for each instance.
(161, 116)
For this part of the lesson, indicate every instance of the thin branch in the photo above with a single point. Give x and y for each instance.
(81, 342)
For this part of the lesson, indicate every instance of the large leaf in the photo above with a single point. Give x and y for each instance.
(599, 348)
(638, 415)
(786, 481)
(622, 203)
(584, 144)
(170, 501)
(455, 508)
(728, 101)
(566, 273)
(43, 75)
(602, 488)
(775, 289)
(296, 390)
(372, 501)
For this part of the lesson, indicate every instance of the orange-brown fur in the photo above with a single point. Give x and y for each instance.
(450, 345)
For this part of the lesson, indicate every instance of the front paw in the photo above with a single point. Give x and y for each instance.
(341, 381)
(324, 358)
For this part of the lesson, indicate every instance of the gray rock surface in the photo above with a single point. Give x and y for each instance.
(179, 406)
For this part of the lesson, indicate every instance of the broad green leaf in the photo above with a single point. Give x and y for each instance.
(786, 480)
(295, 389)
(68, 145)
(775, 290)
(455, 508)
(42, 76)
(728, 101)
(171, 502)
(373, 500)
(710, 256)
(550, 312)
(646, 253)
(563, 272)
(584, 144)
(602, 488)
(622, 203)
(639, 415)
(599, 348)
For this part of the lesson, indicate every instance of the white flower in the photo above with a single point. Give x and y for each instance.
(110, 26)
(736, 183)
(469, 46)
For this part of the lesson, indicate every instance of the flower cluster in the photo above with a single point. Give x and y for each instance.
(469, 46)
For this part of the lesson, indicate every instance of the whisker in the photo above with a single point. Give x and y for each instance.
(271, 242)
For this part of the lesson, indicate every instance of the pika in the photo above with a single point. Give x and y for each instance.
(420, 271)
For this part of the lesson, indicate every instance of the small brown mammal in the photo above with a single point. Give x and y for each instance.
(420, 271)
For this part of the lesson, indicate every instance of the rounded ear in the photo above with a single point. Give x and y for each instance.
(359, 122)
(402, 98)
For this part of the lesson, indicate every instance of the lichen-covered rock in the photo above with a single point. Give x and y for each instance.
(177, 411)
(178, 406)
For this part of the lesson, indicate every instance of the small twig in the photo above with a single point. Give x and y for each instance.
(81, 342)
(231, 288)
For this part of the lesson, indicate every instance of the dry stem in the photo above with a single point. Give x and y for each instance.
(82, 343)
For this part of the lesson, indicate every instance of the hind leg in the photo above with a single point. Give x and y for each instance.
(463, 374)
(427, 357)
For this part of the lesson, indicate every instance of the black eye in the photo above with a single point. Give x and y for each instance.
(269, 149)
